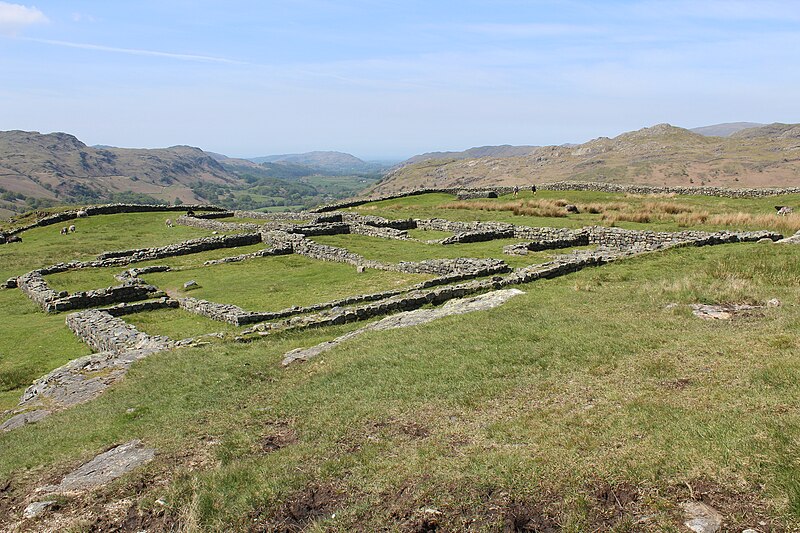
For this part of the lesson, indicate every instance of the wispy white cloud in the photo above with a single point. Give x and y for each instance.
(15, 17)
(138, 51)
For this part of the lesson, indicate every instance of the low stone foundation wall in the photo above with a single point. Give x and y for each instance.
(186, 247)
(98, 297)
(132, 274)
(478, 236)
(215, 225)
(266, 252)
(378, 231)
(36, 288)
(568, 241)
(273, 216)
(478, 193)
(106, 333)
(209, 216)
(240, 317)
(138, 307)
(379, 222)
(559, 266)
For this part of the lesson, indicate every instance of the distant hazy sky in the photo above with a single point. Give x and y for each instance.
(388, 79)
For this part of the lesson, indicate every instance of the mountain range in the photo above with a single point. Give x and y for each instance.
(43, 169)
(765, 155)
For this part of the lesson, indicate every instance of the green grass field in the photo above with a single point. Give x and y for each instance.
(590, 403)
(275, 283)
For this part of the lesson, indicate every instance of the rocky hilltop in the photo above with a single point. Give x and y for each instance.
(658, 155)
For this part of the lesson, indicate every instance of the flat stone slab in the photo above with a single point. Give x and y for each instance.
(723, 311)
(104, 468)
(405, 319)
(28, 417)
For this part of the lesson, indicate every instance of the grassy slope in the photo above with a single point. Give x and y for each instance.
(562, 389)
(529, 408)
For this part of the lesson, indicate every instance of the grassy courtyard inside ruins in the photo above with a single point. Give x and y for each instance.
(594, 401)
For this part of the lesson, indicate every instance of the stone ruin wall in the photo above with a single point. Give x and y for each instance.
(192, 246)
(106, 333)
(36, 288)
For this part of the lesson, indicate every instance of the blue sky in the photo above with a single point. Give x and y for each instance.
(389, 79)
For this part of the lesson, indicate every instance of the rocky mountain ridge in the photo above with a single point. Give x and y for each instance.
(659, 155)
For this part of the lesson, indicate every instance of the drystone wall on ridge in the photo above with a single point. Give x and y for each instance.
(485, 192)
(110, 209)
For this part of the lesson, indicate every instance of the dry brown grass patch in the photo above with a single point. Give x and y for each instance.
(642, 218)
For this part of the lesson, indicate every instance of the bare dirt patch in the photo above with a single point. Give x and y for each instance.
(301, 509)
(528, 517)
(278, 435)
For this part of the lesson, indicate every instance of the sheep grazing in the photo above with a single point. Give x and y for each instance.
(72, 228)
(169, 222)
(783, 210)
(82, 213)
(64, 230)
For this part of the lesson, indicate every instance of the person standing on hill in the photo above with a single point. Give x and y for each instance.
(533, 189)
(516, 190)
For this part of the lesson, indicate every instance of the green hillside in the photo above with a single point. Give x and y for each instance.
(595, 401)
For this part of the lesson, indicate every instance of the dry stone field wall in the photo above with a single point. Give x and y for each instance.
(119, 344)
(494, 192)
(110, 209)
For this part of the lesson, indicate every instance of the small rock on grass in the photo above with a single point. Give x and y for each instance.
(701, 518)
(191, 284)
(37, 508)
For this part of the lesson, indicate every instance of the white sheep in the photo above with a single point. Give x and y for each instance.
(72, 228)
